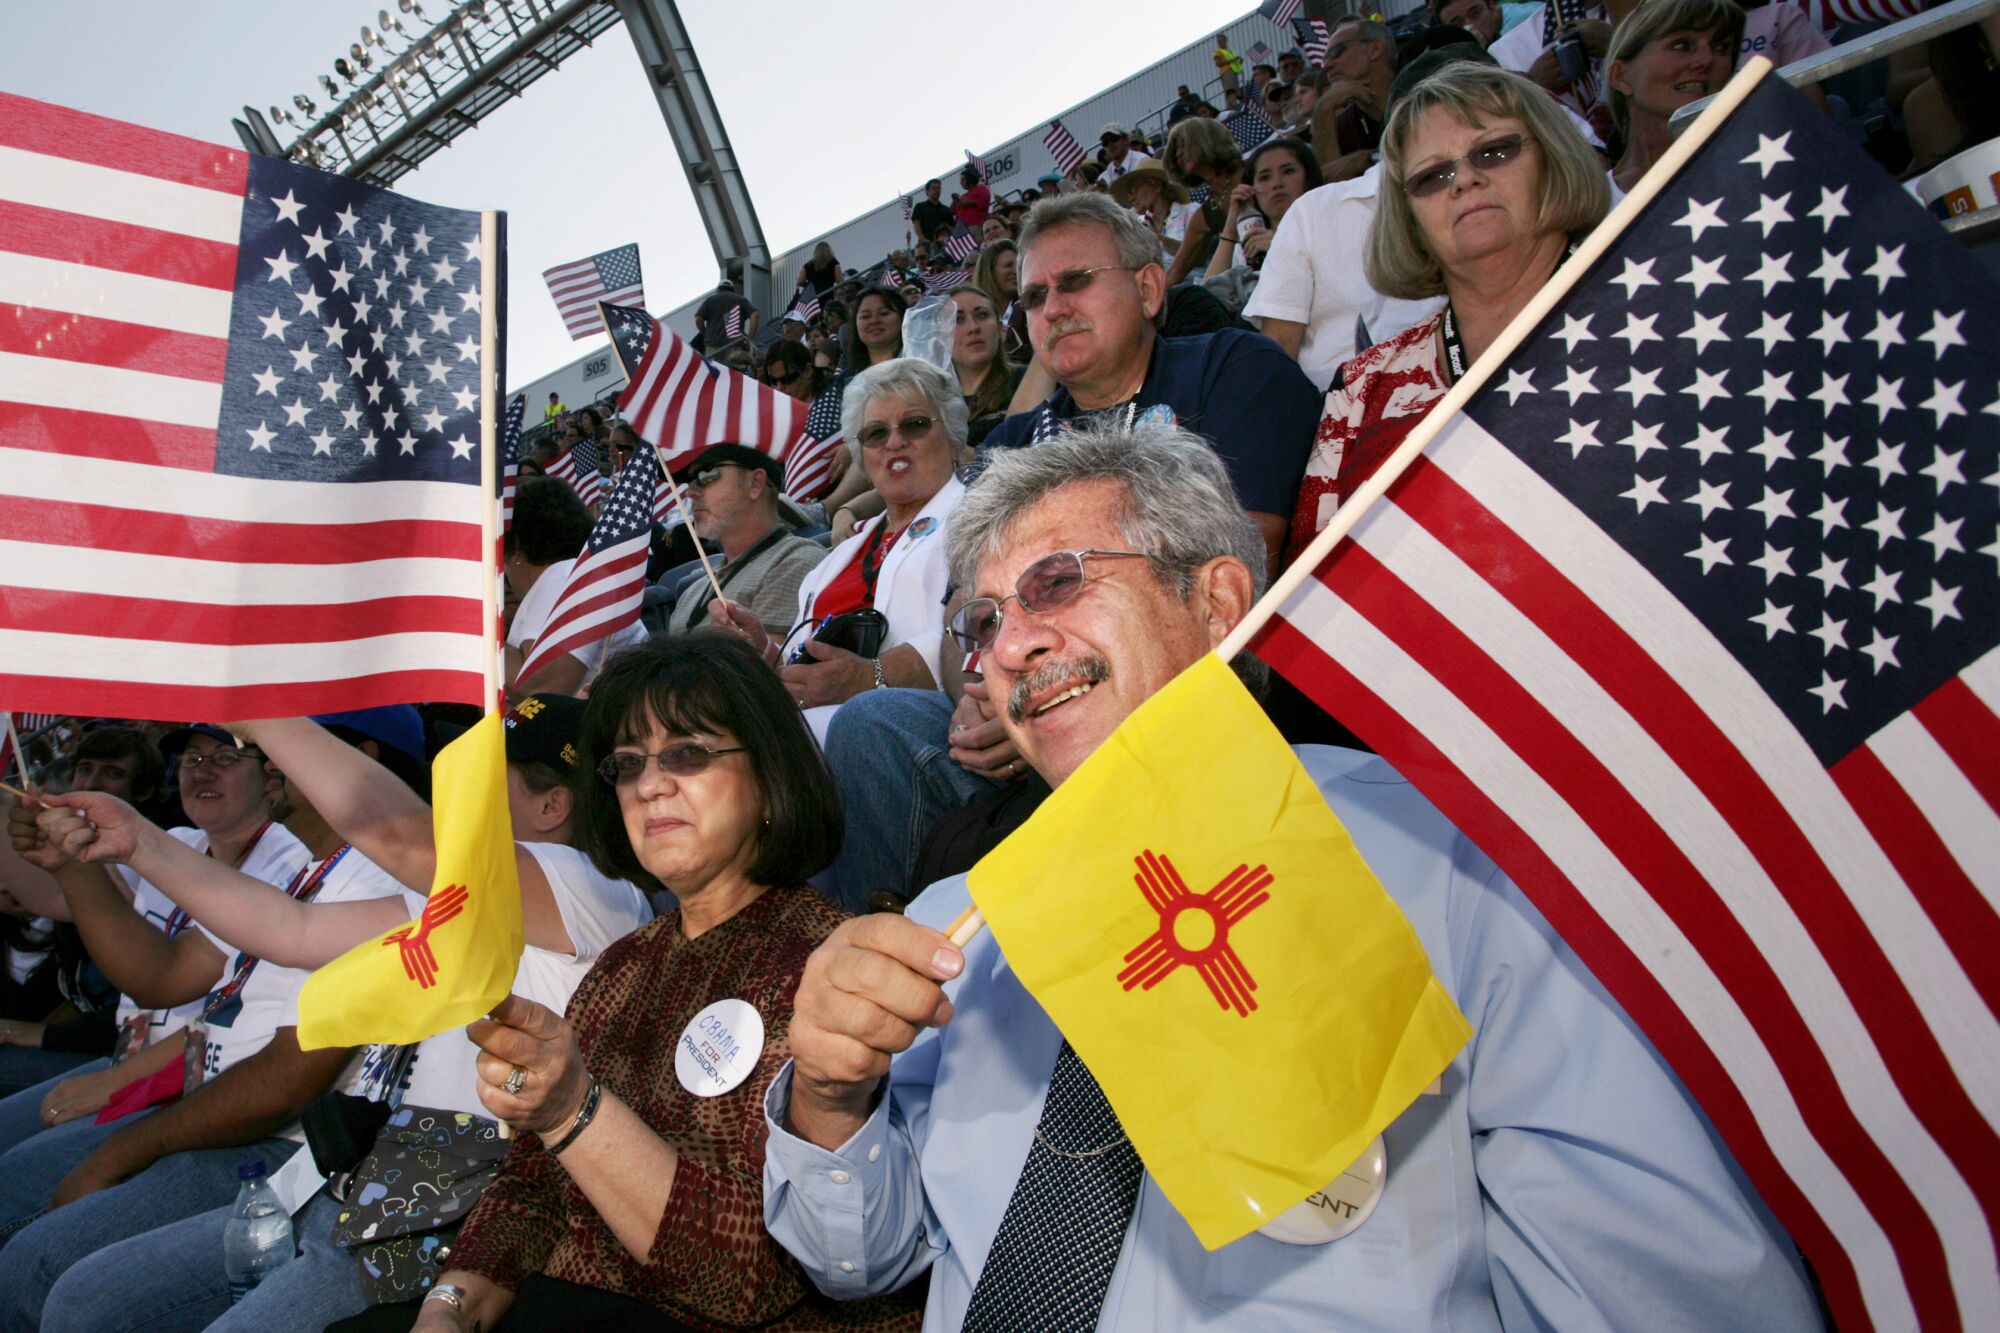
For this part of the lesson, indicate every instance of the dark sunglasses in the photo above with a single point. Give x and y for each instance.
(877, 435)
(708, 476)
(1072, 283)
(1055, 580)
(621, 768)
(1489, 156)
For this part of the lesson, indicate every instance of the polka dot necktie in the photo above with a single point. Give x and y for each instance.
(1065, 1225)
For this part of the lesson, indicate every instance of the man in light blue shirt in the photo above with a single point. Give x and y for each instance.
(1559, 1176)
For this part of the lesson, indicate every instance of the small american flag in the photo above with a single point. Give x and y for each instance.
(30, 723)
(1063, 147)
(510, 458)
(577, 287)
(1249, 129)
(604, 588)
(961, 243)
(1316, 44)
(681, 402)
(240, 421)
(1691, 620)
(811, 459)
(905, 202)
(577, 466)
(976, 162)
(1279, 12)
(1259, 53)
(946, 280)
(808, 308)
(732, 323)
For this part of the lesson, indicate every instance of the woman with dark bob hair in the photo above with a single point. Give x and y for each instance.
(634, 1194)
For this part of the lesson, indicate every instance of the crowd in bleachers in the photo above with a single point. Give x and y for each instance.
(877, 698)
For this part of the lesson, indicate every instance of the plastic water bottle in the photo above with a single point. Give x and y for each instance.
(257, 1239)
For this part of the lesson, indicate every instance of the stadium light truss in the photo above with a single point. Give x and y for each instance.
(400, 95)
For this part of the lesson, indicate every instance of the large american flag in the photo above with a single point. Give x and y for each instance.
(510, 458)
(577, 467)
(810, 465)
(681, 402)
(601, 596)
(1063, 147)
(578, 286)
(240, 423)
(1690, 620)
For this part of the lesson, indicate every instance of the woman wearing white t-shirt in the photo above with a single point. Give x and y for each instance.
(571, 912)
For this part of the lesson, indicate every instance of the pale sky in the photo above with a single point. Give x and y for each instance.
(832, 110)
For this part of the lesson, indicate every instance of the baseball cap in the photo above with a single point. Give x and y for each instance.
(732, 453)
(396, 727)
(1113, 131)
(542, 729)
(176, 740)
(1049, 178)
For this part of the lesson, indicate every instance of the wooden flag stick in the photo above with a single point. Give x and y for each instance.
(680, 503)
(491, 259)
(20, 758)
(1448, 407)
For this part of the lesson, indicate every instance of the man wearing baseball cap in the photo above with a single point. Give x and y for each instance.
(733, 492)
(1118, 156)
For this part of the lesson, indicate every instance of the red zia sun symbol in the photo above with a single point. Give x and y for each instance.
(1194, 929)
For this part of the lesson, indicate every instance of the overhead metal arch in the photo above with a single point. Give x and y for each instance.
(393, 108)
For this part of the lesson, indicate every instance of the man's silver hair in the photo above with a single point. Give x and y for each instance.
(1137, 245)
(913, 380)
(1179, 508)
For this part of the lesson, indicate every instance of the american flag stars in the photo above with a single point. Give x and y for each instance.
(374, 305)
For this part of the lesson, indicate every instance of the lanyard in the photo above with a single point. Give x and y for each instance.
(735, 567)
(1454, 346)
(302, 887)
(180, 919)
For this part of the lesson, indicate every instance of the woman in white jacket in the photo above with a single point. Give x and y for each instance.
(905, 421)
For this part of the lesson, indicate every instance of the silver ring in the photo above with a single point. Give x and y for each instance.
(517, 1078)
(957, 727)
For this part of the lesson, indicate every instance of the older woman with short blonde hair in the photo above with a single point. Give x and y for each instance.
(1485, 185)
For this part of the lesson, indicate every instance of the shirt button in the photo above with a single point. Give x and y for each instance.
(846, 1266)
(875, 1152)
(838, 1177)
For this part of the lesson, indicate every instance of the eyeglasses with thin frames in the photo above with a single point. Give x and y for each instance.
(1484, 158)
(222, 759)
(1072, 283)
(622, 768)
(1054, 581)
(911, 428)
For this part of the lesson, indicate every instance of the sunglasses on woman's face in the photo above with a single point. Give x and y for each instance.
(1486, 157)
(622, 768)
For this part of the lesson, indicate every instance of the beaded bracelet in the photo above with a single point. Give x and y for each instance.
(583, 1116)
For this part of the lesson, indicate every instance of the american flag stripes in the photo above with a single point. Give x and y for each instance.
(1690, 621)
(665, 508)
(240, 422)
(961, 243)
(1279, 12)
(946, 280)
(605, 585)
(1316, 44)
(510, 458)
(732, 323)
(808, 468)
(578, 286)
(807, 307)
(1832, 14)
(1259, 53)
(577, 467)
(681, 403)
(1063, 147)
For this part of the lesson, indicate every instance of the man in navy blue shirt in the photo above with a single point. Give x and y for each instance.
(1094, 289)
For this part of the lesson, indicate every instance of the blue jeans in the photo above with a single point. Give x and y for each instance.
(24, 1066)
(31, 1170)
(172, 1278)
(178, 1186)
(21, 1112)
(891, 759)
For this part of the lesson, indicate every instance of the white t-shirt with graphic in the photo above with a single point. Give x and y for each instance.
(275, 858)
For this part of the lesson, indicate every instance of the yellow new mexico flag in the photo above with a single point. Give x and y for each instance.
(1202, 929)
(457, 960)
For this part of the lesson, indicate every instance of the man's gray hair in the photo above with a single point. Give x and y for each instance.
(1368, 30)
(913, 380)
(1137, 245)
(1180, 508)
